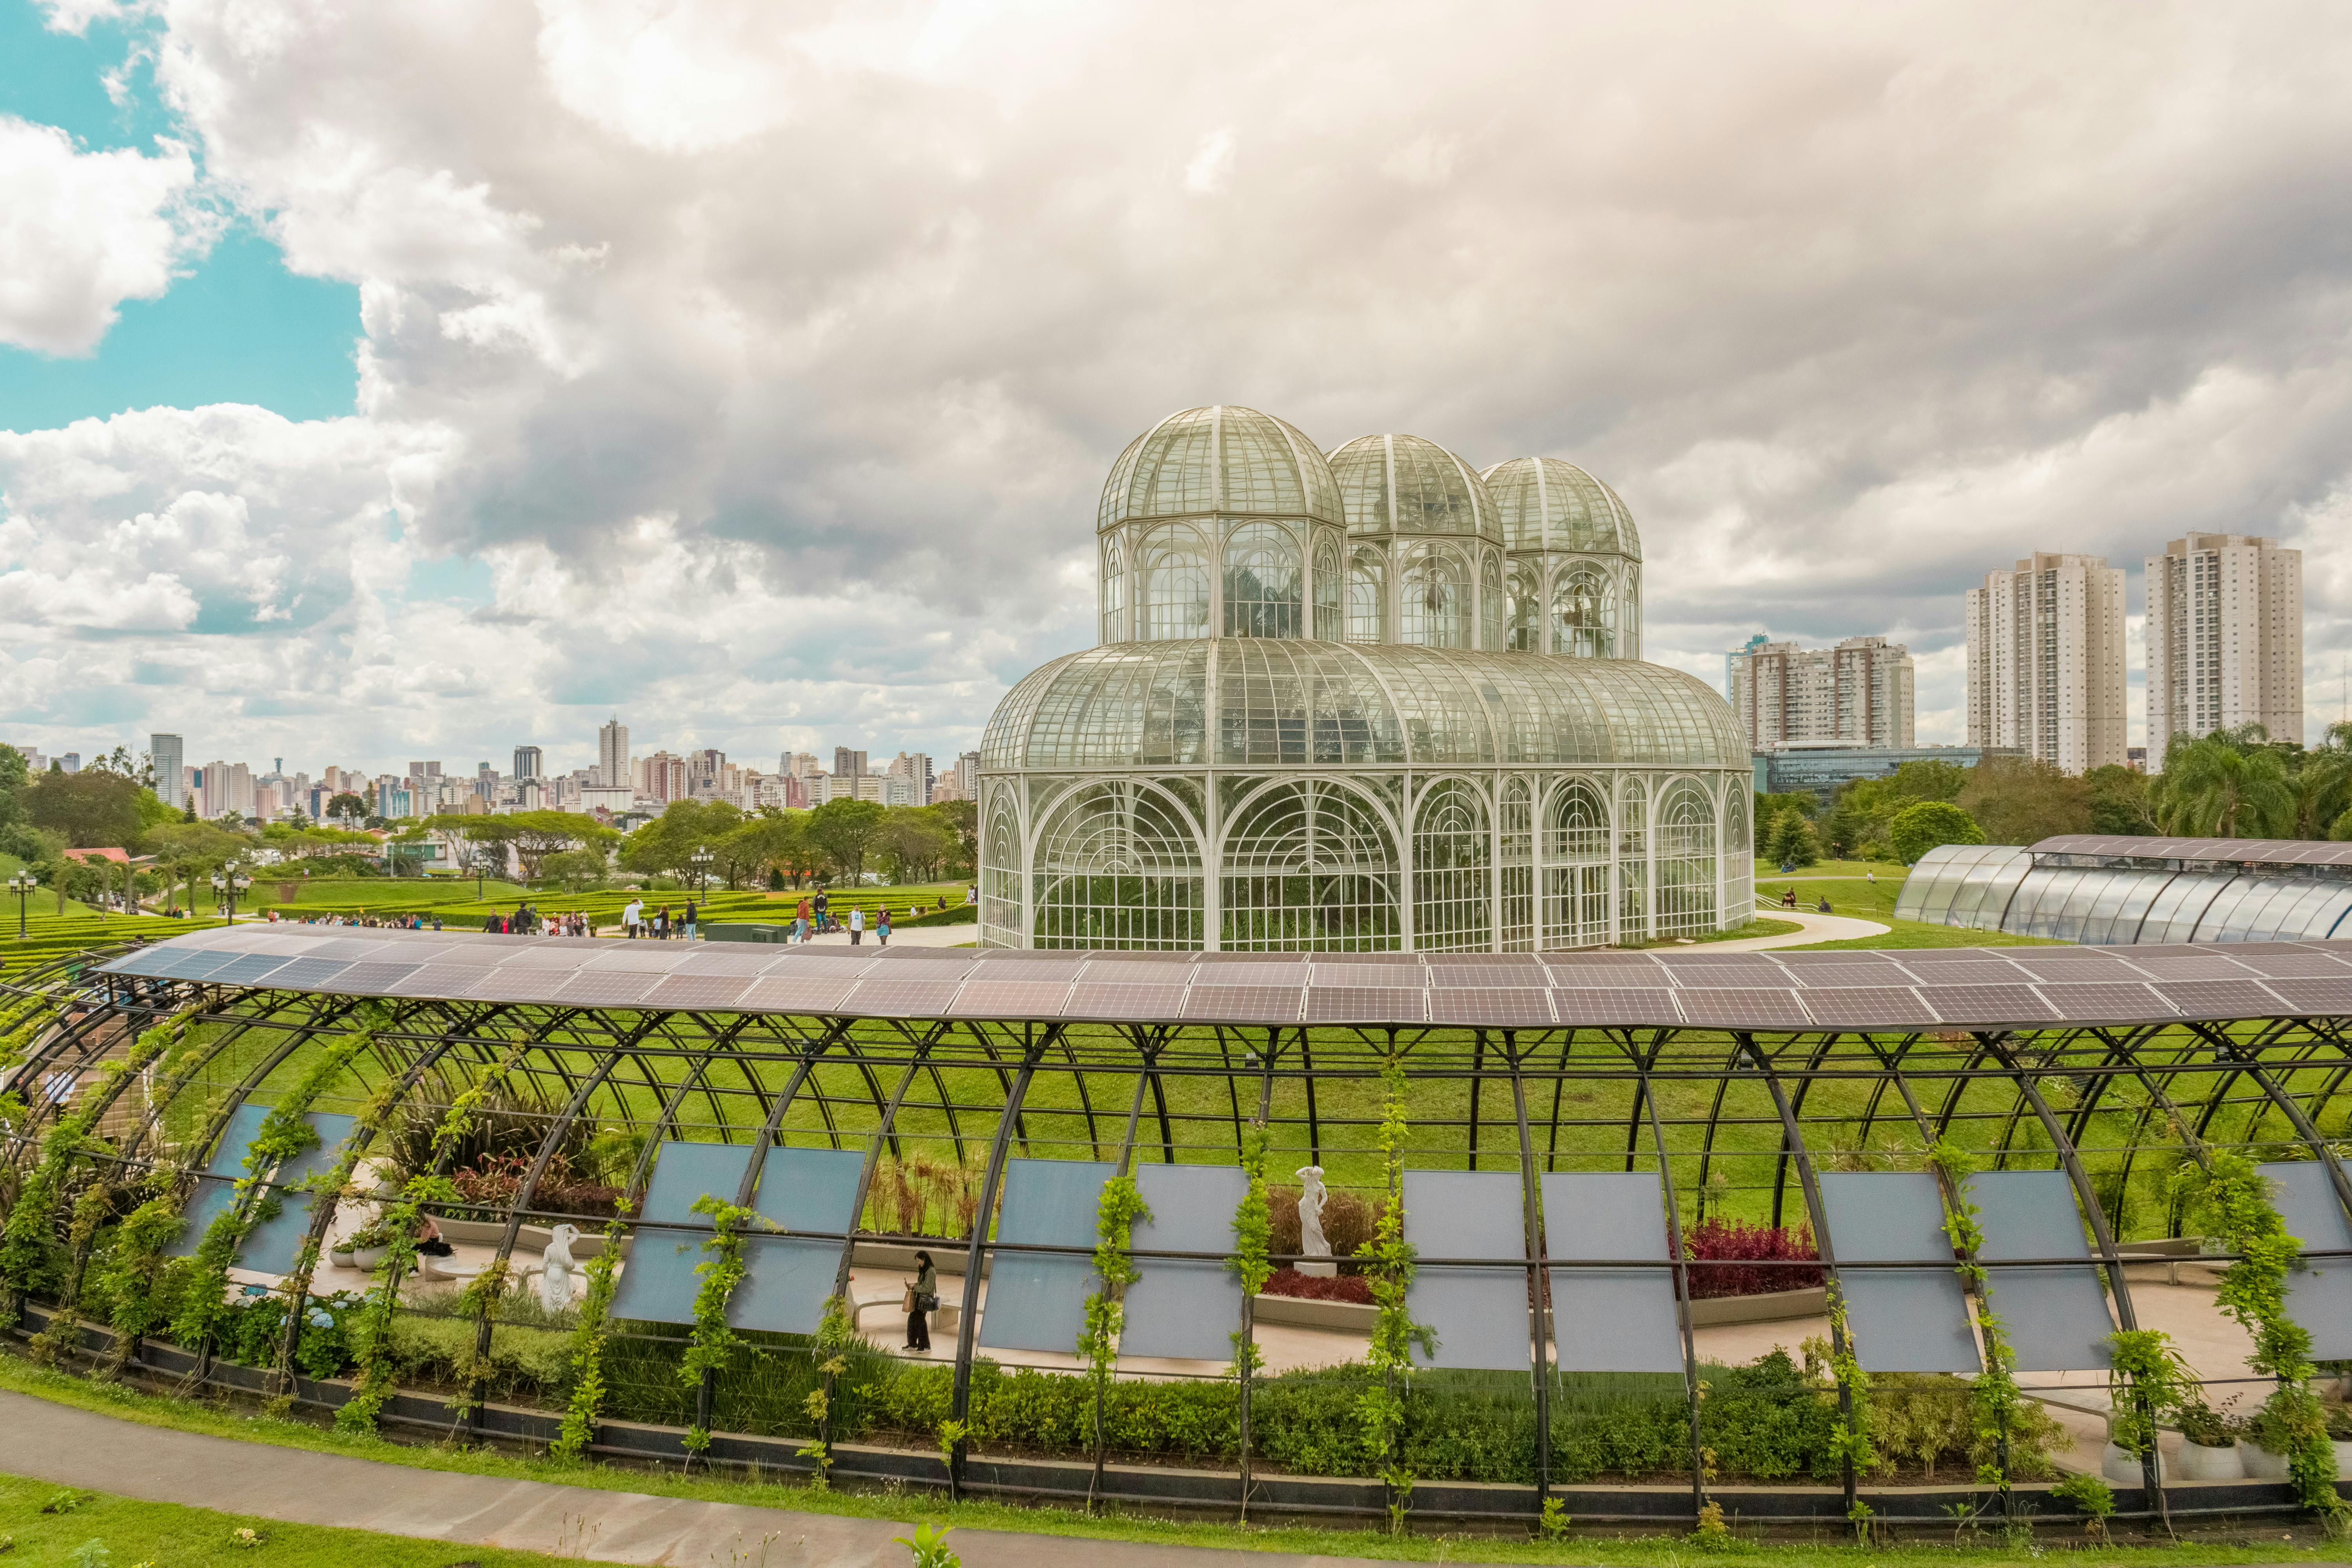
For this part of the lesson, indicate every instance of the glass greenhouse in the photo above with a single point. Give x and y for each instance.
(1376, 702)
(594, 1127)
(2114, 892)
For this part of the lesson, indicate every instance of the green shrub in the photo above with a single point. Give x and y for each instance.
(1917, 829)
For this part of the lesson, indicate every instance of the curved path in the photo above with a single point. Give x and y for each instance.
(1813, 926)
(59, 1444)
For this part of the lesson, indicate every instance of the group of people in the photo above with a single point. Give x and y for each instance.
(528, 921)
(387, 922)
(658, 926)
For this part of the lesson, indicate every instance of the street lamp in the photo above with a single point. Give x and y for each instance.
(22, 884)
(230, 886)
(702, 858)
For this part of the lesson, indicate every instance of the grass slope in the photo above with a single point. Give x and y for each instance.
(1639, 1551)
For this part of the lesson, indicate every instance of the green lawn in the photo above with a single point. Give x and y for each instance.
(49, 937)
(1762, 925)
(162, 1534)
(20, 1500)
(455, 902)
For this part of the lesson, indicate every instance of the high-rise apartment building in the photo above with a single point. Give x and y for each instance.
(705, 772)
(2224, 639)
(528, 764)
(167, 755)
(226, 787)
(613, 754)
(2046, 661)
(799, 764)
(917, 766)
(848, 764)
(1858, 693)
(662, 777)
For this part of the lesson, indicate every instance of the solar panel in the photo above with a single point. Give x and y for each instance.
(197, 962)
(2172, 962)
(153, 960)
(591, 989)
(1497, 1006)
(1139, 972)
(514, 985)
(443, 980)
(1594, 1004)
(697, 990)
(1846, 976)
(639, 957)
(2220, 998)
(1603, 969)
(2120, 1004)
(1987, 1004)
(2315, 998)
(879, 997)
(1366, 1005)
(1029, 971)
(805, 964)
(547, 958)
(368, 979)
(1868, 1008)
(990, 998)
(1094, 999)
(795, 993)
(1454, 973)
(1757, 1009)
(2076, 970)
(2295, 964)
(351, 947)
(1729, 970)
(1243, 1003)
(1216, 969)
(743, 965)
(1387, 975)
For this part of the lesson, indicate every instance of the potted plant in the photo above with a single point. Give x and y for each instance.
(2339, 1432)
(368, 1244)
(2209, 1443)
(2267, 1451)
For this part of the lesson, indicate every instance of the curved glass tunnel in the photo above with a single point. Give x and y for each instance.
(1574, 1165)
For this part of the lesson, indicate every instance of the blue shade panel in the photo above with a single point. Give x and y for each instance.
(1037, 1302)
(1181, 1307)
(1909, 1319)
(1480, 1314)
(270, 1246)
(788, 1277)
(216, 1186)
(1610, 1319)
(2054, 1320)
(659, 1283)
(2319, 1295)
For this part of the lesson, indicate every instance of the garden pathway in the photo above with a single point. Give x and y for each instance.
(58, 1444)
(1813, 926)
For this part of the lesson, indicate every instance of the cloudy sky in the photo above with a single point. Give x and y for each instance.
(386, 381)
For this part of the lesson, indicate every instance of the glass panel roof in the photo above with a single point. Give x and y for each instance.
(1548, 504)
(1220, 459)
(1403, 484)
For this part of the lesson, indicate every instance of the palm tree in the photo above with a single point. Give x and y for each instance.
(2220, 786)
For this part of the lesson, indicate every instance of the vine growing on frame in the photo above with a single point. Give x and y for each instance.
(1992, 1395)
(711, 1346)
(584, 1409)
(1115, 1213)
(1388, 1262)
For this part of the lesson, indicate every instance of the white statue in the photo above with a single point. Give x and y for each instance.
(556, 1268)
(1311, 1240)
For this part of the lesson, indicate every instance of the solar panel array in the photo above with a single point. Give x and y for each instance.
(1927, 988)
(2236, 851)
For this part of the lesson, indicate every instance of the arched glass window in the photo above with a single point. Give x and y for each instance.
(1175, 598)
(1576, 867)
(1629, 616)
(1584, 613)
(1368, 591)
(1117, 865)
(1114, 591)
(1634, 862)
(1518, 868)
(1326, 592)
(1433, 601)
(1685, 860)
(1490, 604)
(1451, 866)
(1309, 866)
(1525, 612)
(1263, 583)
(1000, 873)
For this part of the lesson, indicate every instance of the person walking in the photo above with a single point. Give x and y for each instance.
(688, 923)
(631, 913)
(823, 902)
(661, 923)
(922, 1300)
(801, 921)
(882, 925)
(857, 926)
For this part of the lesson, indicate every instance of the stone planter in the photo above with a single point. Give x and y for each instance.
(367, 1258)
(2262, 1465)
(340, 1257)
(2198, 1463)
(2344, 1461)
(2120, 1465)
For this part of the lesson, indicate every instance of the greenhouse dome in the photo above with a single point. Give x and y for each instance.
(1575, 561)
(1238, 766)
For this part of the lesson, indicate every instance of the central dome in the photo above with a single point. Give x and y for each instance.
(1220, 459)
(1548, 503)
(1403, 484)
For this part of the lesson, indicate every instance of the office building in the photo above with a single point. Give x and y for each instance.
(917, 766)
(2046, 661)
(2224, 639)
(846, 763)
(799, 764)
(528, 764)
(1855, 694)
(224, 787)
(612, 756)
(1822, 767)
(166, 754)
(661, 778)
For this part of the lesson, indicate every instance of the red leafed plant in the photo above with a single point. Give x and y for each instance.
(1724, 1244)
(1353, 1288)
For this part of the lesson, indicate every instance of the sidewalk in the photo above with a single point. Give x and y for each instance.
(73, 1447)
(1814, 927)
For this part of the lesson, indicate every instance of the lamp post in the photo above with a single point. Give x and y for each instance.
(228, 885)
(22, 884)
(702, 858)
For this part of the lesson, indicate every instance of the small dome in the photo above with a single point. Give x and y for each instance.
(1548, 504)
(1403, 484)
(1221, 458)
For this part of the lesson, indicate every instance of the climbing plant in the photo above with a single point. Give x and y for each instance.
(1850, 1432)
(2145, 1380)
(1115, 1213)
(64, 1331)
(1253, 1241)
(711, 1346)
(2233, 1198)
(1389, 1267)
(1993, 1395)
(586, 1405)
(836, 1334)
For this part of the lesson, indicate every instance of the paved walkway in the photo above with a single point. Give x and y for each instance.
(1813, 927)
(58, 1444)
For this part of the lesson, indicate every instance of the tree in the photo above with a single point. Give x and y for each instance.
(92, 809)
(2020, 800)
(577, 870)
(2223, 785)
(1924, 825)
(962, 818)
(532, 836)
(763, 842)
(2322, 783)
(1792, 841)
(843, 833)
(348, 808)
(912, 843)
(2120, 801)
(191, 851)
(670, 841)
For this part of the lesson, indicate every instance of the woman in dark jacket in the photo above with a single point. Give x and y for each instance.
(926, 1299)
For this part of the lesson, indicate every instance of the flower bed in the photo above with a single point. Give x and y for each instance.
(1727, 1242)
(1352, 1288)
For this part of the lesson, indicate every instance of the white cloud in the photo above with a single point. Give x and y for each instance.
(82, 232)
